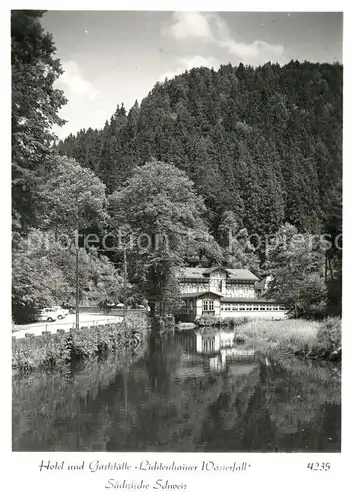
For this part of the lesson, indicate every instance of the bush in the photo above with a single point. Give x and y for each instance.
(328, 344)
(48, 351)
(223, 322)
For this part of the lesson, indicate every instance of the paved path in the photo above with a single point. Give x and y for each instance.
(86, 319)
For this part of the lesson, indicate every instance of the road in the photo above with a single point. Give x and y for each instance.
(86, 319)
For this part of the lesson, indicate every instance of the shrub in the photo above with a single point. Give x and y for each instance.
(48, 351)
(223, 322)
(328, 344)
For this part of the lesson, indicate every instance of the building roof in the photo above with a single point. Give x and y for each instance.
(193, 295)
(204, 272)
(245, 300)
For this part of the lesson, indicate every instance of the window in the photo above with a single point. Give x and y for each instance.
(262, 308)
(249, 308)
(241, 308)
(235, 308)
(281, 308)
(208, 305)
(269, 308)
(255, 307)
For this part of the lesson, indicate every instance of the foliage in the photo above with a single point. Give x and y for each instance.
(333, 228)
(44, 275)
(296, 264)
(48, 351)
(162, 212)
(210, 321)
(264, 142)
(238, 250)
(328, 343)
(72, 197)
(36, 282)
(35, 106)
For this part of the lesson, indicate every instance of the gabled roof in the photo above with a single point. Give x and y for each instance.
(193, 295)
(204, 272)
(242, 274)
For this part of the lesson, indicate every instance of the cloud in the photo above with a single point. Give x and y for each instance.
(188, 25)
(72, 82)
(211, 28)
(189, 62)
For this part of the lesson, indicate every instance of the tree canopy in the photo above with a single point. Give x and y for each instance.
(35, 107)
(163, 212)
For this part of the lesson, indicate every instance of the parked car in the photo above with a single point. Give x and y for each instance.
(63, 310)
(52, 313)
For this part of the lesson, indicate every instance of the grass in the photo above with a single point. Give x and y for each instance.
(50, 351)
(307, 339)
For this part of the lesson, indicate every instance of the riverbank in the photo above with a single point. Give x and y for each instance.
(293, 337)
(216, 321)
(53, 351)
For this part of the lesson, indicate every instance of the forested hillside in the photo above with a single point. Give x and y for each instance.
(264, 143)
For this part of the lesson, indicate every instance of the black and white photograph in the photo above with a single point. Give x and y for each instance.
(177, 232)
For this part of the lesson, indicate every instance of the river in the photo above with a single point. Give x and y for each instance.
(185, 393)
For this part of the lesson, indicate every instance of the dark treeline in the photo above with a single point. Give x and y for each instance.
(264, 143)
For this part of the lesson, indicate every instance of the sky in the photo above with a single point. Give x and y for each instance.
(114, 57)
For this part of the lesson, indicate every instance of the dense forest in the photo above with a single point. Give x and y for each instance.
(240, 151)
(264, 143)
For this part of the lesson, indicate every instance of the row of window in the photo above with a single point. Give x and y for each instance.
(208, 305)
(215, 282)
(252, 307)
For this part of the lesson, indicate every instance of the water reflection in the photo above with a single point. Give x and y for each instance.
(194, 391)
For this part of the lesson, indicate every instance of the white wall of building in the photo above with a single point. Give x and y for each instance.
(244, 290)
(254, 314)
(199, 308)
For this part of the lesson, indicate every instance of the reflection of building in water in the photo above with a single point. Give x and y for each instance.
(210, 351)
(216, 365)
(213, 341)
(187, 341)
(219, 348)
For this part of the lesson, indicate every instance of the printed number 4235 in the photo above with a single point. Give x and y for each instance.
(319, 466)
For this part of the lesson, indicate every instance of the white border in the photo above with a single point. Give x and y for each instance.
(273, 475)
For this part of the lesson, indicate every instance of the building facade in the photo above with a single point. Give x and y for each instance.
(224, 292)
